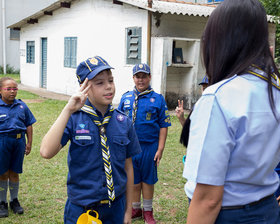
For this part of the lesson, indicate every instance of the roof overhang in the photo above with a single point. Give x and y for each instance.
(160, 6)
(48, 11)
(174, 7)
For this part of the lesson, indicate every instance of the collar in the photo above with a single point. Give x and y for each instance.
(88, 107)
(257, 71)
(2, 103)
(135, 90)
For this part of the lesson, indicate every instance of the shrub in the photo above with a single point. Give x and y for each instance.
(9, 70)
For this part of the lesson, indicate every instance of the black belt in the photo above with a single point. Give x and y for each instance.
(13, 135)
(243, 206)
(101, 203)
(97, 204)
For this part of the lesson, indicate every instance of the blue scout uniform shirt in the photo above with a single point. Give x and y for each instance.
(152, 114)
(15, 117)
(86, 182)
(234, 140)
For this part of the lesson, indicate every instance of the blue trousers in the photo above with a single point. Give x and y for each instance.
(265, 212)
(108, 215)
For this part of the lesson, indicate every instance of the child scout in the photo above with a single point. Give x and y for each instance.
(150, 116)
(103, 140)
(15, 122)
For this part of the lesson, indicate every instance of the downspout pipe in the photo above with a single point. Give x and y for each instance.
(149, 31)
(4, 36)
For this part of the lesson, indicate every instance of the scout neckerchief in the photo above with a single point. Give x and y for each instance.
(135, 103)
(257, 71)
(101, 124)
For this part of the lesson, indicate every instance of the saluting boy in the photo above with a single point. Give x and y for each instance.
(103, 140)
(150, 116)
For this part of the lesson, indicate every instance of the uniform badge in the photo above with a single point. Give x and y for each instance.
(93, 61)
(82, 126)
(82, 130)
(127, 101)
(102, 130)
(148, 116)
(82, 137)
(167, 120)
(140, 66)
(152, 100)
(166, 113)
(120, 117)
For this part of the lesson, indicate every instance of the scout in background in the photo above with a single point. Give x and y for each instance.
(180, 108)
(15, 121)
(150, 116)
(103, 140)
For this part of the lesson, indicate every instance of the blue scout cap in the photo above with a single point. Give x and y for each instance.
(91, 67)
(141, 68)
(204, 80)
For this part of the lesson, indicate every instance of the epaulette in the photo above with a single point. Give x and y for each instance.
(125, 93)
(121, 112)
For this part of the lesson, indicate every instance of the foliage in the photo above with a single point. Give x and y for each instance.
(273, 8)
(9, 70)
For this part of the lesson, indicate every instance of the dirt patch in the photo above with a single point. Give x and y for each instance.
(33, 100)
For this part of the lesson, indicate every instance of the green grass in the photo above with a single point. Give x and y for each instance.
(27, 95)
(16, 77)
(43, 182)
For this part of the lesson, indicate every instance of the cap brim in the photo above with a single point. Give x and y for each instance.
(96, 71)
(144, 71)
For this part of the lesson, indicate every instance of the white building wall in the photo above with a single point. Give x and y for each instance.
(15, 11)
(100, 30)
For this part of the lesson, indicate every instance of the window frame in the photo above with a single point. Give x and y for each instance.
(30, 52)
(14, 34)
(133, 45)
(70, 52)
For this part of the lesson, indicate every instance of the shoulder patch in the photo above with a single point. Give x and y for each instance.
(120, 117)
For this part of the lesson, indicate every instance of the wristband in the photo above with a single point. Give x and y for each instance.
(184, 159)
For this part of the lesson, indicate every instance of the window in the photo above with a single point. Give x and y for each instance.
(70, 52)
(14, 34)
(30, 52)
(133, 39)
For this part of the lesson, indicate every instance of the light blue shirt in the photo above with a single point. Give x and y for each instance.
(235, 140)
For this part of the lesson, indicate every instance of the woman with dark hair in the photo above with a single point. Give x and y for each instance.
(234, 142)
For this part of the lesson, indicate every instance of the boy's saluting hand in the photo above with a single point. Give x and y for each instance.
(78, 99)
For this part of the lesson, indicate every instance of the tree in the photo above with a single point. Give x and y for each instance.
(273, 8)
